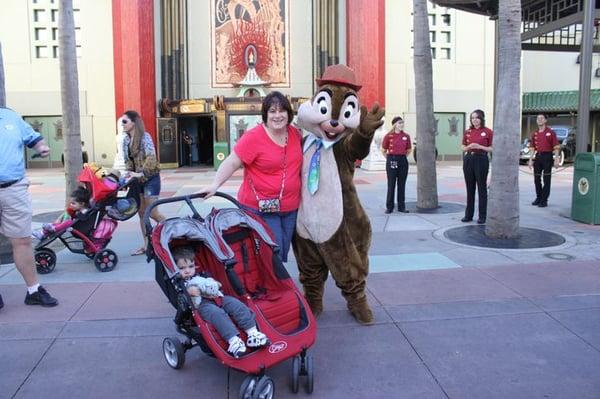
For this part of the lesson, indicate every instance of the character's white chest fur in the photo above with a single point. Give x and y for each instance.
(320, 215)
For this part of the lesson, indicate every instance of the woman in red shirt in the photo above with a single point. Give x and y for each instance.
(395, 147)
(476, 143)
(271, 154)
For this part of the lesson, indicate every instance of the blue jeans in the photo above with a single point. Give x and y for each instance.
(282, 224)
(151, 188)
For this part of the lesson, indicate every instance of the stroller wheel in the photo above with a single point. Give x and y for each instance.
(295, 374)
(309, 371)
(247, 387)
(265, 389)
(45, 260)
(174, 352)
(105, 260)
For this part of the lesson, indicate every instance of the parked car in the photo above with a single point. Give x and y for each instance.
(566, 139)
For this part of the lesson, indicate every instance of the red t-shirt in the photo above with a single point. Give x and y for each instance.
(482, 136)
(396, 143)
(543, 141)
(263, 163)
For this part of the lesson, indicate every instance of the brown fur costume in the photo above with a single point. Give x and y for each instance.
(333, 232)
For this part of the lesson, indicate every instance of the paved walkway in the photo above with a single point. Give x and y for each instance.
(451, 321)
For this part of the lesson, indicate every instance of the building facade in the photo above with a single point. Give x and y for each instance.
(196, 70)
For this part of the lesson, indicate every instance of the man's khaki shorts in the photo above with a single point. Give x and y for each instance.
(15, 210)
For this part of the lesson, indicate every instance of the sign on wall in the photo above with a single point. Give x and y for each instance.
(256, 27)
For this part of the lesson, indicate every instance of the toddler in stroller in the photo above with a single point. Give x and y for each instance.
(237, 250)
(92, 225)
(217, 308)
(79, 205)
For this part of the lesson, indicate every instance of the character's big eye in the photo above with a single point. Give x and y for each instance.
(322, 105)
(349, 109)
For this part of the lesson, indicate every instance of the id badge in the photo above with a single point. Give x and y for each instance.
(393, 164)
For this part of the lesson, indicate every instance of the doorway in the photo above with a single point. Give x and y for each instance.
(196, 140)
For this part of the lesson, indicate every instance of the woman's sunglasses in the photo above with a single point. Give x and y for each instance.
(125, 121)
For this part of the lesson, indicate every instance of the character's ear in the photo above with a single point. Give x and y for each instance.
(350, 112)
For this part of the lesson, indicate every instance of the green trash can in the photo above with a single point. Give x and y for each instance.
(585, 202)
(220, 152)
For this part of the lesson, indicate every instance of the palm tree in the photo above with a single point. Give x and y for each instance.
(69, 94)
(427, 197)
(2, 89)
(503, 204)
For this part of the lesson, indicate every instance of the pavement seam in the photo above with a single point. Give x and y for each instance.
(39, 361)
(84, 302)
(423, 362)
(530, 300)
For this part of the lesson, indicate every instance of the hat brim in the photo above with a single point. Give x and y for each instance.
(354, 87)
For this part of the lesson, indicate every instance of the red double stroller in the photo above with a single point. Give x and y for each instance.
(91, 233)
(237, 250)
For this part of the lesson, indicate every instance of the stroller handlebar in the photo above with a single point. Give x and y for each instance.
(188, 200)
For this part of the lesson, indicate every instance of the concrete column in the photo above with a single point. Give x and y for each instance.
(365, 53)
(134, 61)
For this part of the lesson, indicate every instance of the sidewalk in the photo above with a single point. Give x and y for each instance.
(451, 321)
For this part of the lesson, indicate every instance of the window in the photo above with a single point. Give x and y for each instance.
(432, 19)
(44, 16)
(433, 52)
(445, 53)
(445, 36)
(432, 36)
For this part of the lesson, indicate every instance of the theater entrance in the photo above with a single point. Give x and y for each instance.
(196, 140)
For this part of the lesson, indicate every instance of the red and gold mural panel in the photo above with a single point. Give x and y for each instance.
(250, 33)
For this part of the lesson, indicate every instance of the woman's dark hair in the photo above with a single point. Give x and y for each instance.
(396, 119)
(544, 115)
(276, 98)
(480, 115)
(139, 130)
(81, 195)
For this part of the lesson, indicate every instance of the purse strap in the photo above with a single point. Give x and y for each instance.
(284, 171)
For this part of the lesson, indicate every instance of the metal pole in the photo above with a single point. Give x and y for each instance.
(585, 77)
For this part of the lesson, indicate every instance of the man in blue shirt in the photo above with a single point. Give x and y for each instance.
(15, 203)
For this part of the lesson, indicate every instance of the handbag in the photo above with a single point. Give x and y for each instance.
(272, 205)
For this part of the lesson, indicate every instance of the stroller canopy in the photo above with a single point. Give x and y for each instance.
(99, 188)
(190, 229)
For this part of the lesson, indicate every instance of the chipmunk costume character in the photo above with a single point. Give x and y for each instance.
(333, 233)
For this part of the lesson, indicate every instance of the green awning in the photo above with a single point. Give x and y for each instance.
(557, 101)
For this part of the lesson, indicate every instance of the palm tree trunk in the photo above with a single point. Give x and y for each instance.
(503, 204)
(427, 197)
(69, 94)
(2, 87)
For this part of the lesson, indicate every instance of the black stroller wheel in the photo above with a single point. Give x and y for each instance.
(247, 387)
(105, 260)
(265, 389)
(45, 260)
(295, 382)
(309, 370)
(174, 352)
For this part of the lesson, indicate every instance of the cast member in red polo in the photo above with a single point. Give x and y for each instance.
(476, 143)
(543, 143)
(395, 147)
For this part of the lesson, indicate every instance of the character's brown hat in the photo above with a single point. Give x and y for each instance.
(341, 75)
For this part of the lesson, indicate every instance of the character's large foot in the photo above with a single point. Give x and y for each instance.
(316, 305)
(361, 312)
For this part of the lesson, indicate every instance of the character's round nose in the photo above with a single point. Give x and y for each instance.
(334, 122)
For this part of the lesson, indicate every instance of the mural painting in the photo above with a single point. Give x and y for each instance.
(246, 34)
